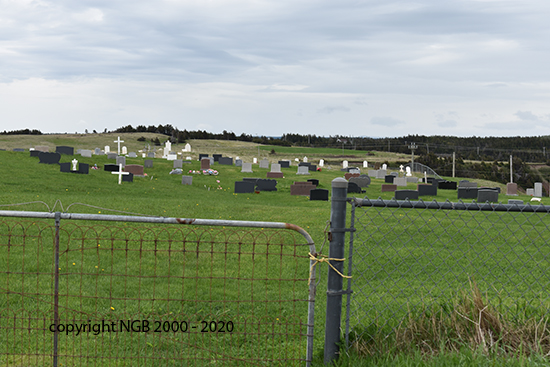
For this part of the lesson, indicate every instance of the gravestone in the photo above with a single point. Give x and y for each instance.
(118, 141)
(345, 164)
(305, 159)
(303, 170)
(354, 189)
(49, 158)
(171, 157)
(348, 175)
(372, 173)
(128, 178)
(406, 195)
(18, 149)
(321, 162)
(254, 160)
(427, 190)
(238, 162)
(246, 167)
(384, 166)
(264, 163)
(400, 181)
(64, 150)
(467, 184)
(226, 161)
(361, 181)
(284, 164)
(530, 192)
(447, 185)
(412, 179)
(408, 171)
(97, 151)
(484, 195)
(74, 162)
(275, 171)
(512, 189)
(65, 167)
(216, 157)
(205, 163)
(301, 188)
(112, 156)
(244, 187)
(365, 164)
(148, 163)
(178, 163)
(389, 188)
(467, 192)
(121, 173)
(187, 148)
(515, 201)
(132, 155)
(86, 153)
(35, 153)
(389, 179)
(121, 160)
(266, 185)
(167, 148)
(381, 174)
(318, 194)
(42, 148)
(135, 169)
(151, 155)
(187, 180)
(314, 181)
(106, 149)
(83, 168)
(124, 150)
(110, 167)
(201, 156)
(538, 189)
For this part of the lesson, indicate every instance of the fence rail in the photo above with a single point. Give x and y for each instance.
(149, 291)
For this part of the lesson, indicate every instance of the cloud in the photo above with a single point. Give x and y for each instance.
(331, 109)
(526, 115)
(286, 87)
(386, 121)
(447, 123)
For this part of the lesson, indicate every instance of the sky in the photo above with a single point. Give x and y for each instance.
(378, 68)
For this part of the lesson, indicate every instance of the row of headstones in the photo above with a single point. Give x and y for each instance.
(309, 188)
(536, 191)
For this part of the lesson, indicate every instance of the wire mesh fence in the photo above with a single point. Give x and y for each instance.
(414, 258)
(146, 294)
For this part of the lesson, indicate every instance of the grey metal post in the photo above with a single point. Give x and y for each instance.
(335, 280)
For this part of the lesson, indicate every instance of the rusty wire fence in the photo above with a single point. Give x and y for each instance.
(410, 259)
(145, 291)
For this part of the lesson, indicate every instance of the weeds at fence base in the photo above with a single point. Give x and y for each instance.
(466, 322)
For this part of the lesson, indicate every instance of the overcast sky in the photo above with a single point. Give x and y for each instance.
(380, 68)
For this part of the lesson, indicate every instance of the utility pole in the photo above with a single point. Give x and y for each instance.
(454, 158)
(428, 148)
(412, 147)
(511, 176)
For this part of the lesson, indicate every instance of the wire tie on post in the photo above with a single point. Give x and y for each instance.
(320, 258)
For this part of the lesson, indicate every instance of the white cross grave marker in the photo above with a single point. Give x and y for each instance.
(120, 173)
(118, 141)
(74, 162)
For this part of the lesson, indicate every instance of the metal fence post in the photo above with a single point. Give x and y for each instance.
(335, 280)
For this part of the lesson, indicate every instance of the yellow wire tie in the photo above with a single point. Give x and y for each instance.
(320, 258)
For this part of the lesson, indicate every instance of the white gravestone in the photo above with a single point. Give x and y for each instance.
(305, 159)
(408, 170)
(365, 164)
(275, 167)
(107, 149)
(74, 162)
(384, 166)
(120, 173)
(303, 170)
(345, 164)
(538, 189)
(118, 141)
(124, 150)
(187, 147)
(401, 168)
(167, 149)
(255, 160)
(321, 162)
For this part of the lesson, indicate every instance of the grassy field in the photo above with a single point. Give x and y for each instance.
(42, 186)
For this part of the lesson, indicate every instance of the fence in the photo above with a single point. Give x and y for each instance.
(410, 259)
(145, 291)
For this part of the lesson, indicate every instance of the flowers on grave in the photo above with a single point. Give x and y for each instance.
(210, 172)
(195, 172)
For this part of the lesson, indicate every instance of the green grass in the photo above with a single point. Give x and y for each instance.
(161, 194)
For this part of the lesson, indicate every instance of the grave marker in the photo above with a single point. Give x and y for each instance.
(121, 160)
(148, 163)
(246, 168)
(118, 141)
(64, 150)
(86, 153)
(178, 163)
(187, 180)
(264, 163)
(49, 158)
(205, 163)
(120, 173)
(135, 169)
(303, 170)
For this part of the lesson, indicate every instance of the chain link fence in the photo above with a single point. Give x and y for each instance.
(146, 291)
(407, 257)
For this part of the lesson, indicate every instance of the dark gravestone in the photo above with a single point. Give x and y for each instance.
(112, 155)
(201, 156)
(348, 175)
(251, 179)
(447, 185)
(35, 153)
(65, 167)
(135, 169)
(18, 150)
(312, 167)
(389, 179)
(406, 195)
(83, 168)
(484, 195)
(65, 150)
(515, 201)
(226, 161)
(361, 181)
(354, 188)
(110, 167)
(427, 190)
(467, 192)
(266, 185)
(216, 157)
(244, 187)
(284, 164)
(275, 175)
(389, 188)
(496, 189)
(148, 163)
(318, 194)
(314, 181)
(128, 178)
(49, 158)
(301, 188)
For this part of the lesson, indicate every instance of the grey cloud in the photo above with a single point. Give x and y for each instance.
(526, 115)
(331, 109)
(447, 123)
